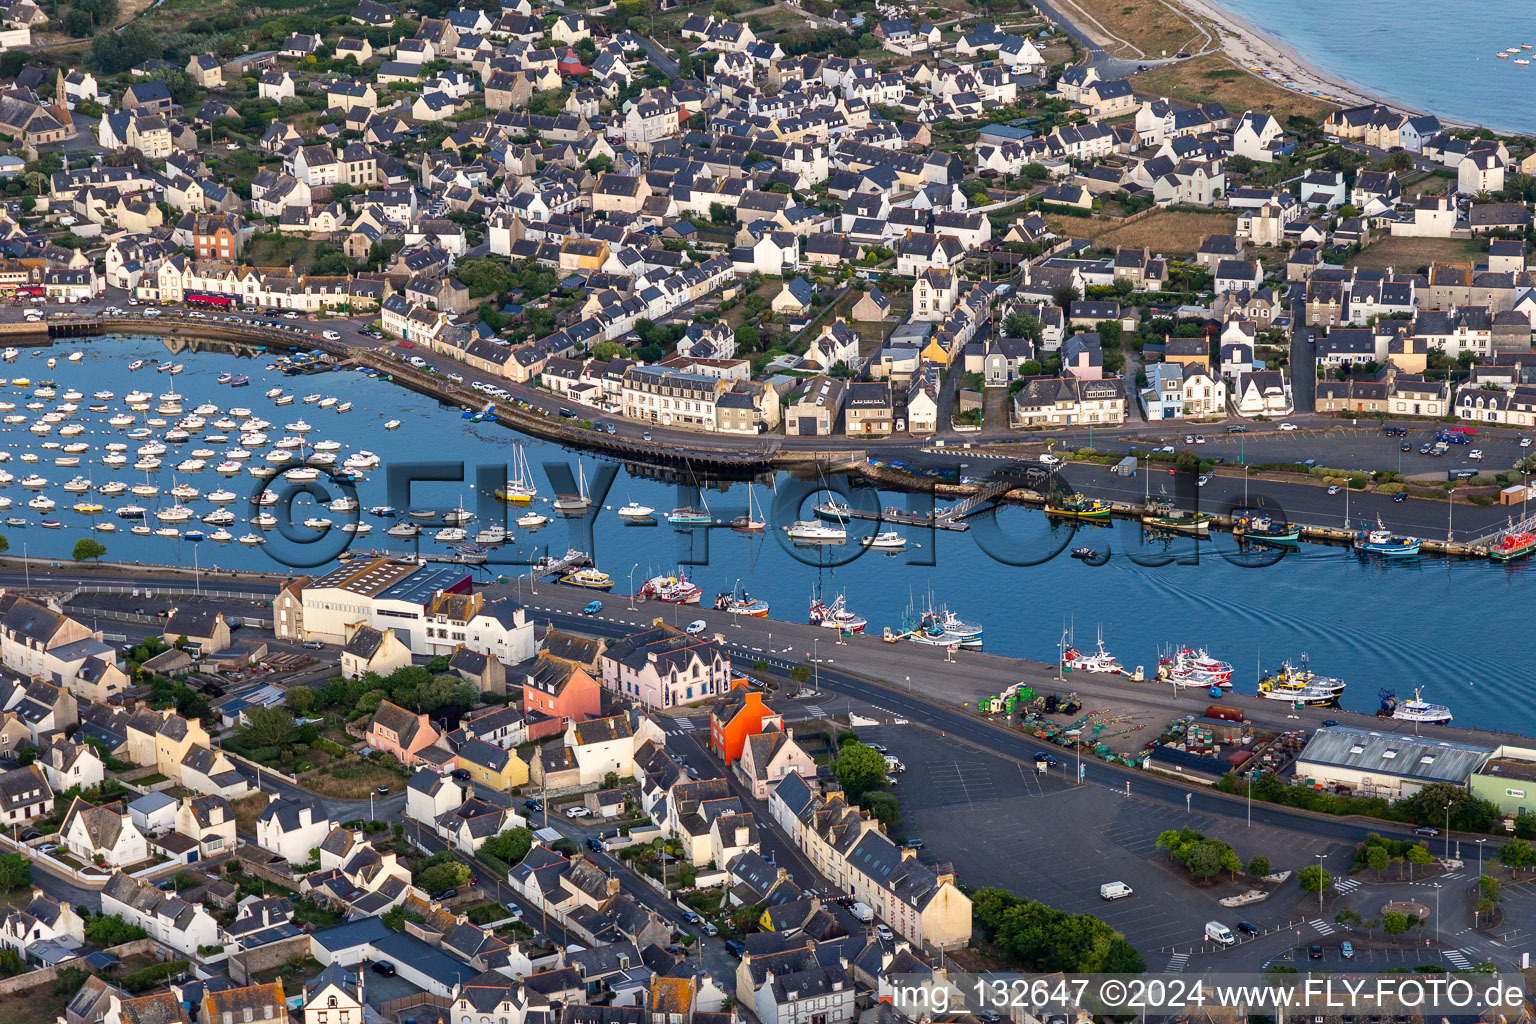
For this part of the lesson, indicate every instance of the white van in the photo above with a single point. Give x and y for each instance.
(1218, 932)
(1114, 890)
(331, 335)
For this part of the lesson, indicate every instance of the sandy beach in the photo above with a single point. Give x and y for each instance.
(1249, 48)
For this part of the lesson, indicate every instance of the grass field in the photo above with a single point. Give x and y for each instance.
(278, 250)
(1164, 231)
(31, 1005)
(351, 780)
(247, 810)
(1215, 77)
(1405, 255)
(1139, 28)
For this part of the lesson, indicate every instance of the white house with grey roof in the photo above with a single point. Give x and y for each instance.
(291, 829)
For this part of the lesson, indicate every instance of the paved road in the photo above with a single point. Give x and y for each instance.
(934, 698)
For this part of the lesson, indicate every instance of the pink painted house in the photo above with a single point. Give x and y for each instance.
(396, 731)
(767, 757)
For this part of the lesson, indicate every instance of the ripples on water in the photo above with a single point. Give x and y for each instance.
(1379, 46)
(1457, 628)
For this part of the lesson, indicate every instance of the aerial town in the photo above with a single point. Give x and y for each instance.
(863, 252)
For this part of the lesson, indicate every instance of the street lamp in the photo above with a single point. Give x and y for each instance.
(1437, 911)
(1320, 886)
(632, 585)
(816, 663)
(1447, 831)
(1480, 843)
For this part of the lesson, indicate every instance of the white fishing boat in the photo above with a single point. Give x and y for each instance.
(147, 465)
(227, 468)
(221, 535)
(1415, 710)
(284, 400)
(252, 540)
(404, 529)
(890, 540)
(191, 465)
(41, 503)
(529, 520)
(392, 425)
(139, 530)
(303, 474)
(493, 534)
(327, 402)
(458, 516)
(219, 517)
(345, 503)
(635, 510)
(358, 529)
(317, 523)
(274, 392)
(298, 427)
(131, 512)
(264, 520)
(79, 485)
(344, 407)
(34, 481)
(327, 446)
(177, 513)
(311, 399)
(106, 526)
(145, 490)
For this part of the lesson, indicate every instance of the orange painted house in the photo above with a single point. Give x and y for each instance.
(737, 715)
(395, 730)
(562, 690)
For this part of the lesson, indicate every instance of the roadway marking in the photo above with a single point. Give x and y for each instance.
(1457, 958)
(683, 724)
(1177, 963)
(814, 710)
(1347, 885)
(1454, 874)
(1323, 927)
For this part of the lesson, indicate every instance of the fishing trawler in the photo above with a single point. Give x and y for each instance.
(1259, 527)
(1189, 666)
(940, 627)
(1381, 541)
(1161, 514)
(836, 615)
(739, 602)
(1076, 506)
(670, 589)
(1415, 710)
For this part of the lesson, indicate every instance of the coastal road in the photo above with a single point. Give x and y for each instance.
(938, 688)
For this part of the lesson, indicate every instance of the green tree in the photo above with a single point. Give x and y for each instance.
(89, 549)
(1024, 325)
(1377, 858)
(1468, 813)
(1491, 888)
(511, 846)
(1517, 854)
(106, 930)
(1395, 922)
(301, 699)
(606, 350)
(15, 872)
(1065, 296)
(1258, 866)
(440, 877)
(884, 807)
(1313, 878)
(1418, 855)
(1349, 917)
(859, 768)
(267, 727)
(5, 545)
(746, 338)
(11, 963)
(1204, 860)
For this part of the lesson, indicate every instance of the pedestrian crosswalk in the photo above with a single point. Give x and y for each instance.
(1177, 963)
(1347, 885)
(1457, 958)
(684, 724)
(1453, 875)
(1323, 927)
(815, 711)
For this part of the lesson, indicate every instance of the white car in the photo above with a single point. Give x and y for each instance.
(1476, 455)
(884, 932)
(1525, 442)
(697, 626)
(1287, 426)
(578, 812)
(1205, 478)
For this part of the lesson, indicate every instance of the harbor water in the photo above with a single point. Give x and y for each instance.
(1444, 63)
(1452, 627)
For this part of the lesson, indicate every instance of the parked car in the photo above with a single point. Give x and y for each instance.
(1476, 455)
(1330, 723)
(710, 929)
(384, 967)
(1316, 952)
(313, 645)
(384, 790)
(592, 608)
(1333, 488)
(1400, 496)
(736, 948)
(697, 627)
(533, 805)
(1247, 928)
(446, 894)
(1347, 950)
(1426, 830)
(1237, 428)
(1424, 448)
(884, 932)
(462, 774)
(594, 844)
(578, 812)
(1205, 478)
(1525, 442)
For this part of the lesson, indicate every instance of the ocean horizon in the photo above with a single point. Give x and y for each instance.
(1373, 46)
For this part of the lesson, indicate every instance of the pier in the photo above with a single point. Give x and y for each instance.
(942, 519)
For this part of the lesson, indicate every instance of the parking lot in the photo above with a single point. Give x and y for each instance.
(1362, 448)
(1005, 824)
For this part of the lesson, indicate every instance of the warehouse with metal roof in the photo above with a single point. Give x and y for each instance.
(1384, 764)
